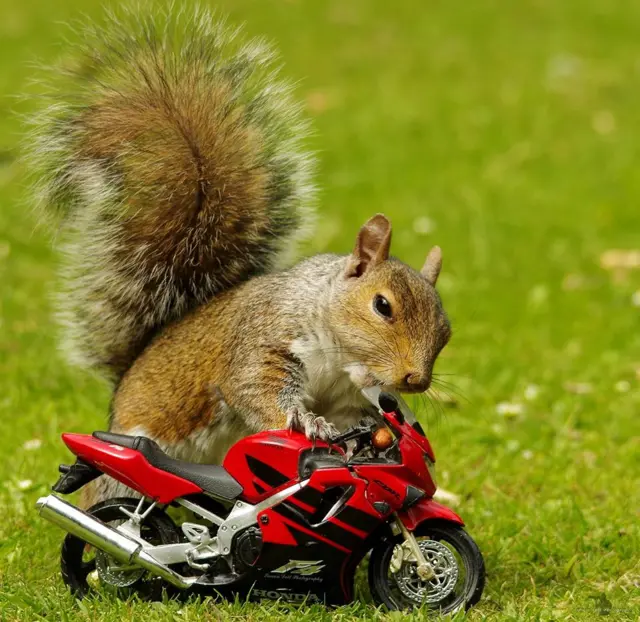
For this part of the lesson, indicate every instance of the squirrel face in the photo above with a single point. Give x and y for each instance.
(394, 323)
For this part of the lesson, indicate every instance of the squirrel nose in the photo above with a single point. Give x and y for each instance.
(417, 382)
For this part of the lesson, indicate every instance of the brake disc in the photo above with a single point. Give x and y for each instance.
(445, 567)
(113, 573)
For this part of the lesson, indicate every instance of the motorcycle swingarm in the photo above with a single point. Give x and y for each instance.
(75, 476)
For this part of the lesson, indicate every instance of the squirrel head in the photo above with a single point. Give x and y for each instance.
(393, 322)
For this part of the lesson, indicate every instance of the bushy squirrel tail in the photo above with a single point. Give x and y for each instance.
(175, 162)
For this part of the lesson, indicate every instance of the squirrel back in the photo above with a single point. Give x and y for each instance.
(177, 168)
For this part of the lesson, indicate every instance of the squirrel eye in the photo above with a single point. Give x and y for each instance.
(382, 306)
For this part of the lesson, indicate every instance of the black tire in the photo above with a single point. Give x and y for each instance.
(157, 528)
(467, 591)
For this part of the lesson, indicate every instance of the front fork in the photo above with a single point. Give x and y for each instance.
(424, 569)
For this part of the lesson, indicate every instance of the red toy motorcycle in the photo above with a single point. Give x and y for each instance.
(283, 518)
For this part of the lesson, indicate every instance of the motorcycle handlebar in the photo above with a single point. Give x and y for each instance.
(364, 428)
(387, 403)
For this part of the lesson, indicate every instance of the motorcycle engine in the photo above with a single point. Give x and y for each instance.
(246, 548)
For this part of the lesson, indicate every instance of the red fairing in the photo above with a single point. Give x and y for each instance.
(287, 523)
(130, 467)
(427, 509)
(408, 432)
(266, 461)
(389, 482)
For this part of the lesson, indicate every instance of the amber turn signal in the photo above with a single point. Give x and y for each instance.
(382, 439)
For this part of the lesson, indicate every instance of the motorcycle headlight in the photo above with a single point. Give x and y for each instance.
(431, 467)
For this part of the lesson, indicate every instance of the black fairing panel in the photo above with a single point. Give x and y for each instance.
(302, 573)
(309, 571)
(313, 570)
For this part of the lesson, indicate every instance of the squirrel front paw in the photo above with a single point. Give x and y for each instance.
(313, 426)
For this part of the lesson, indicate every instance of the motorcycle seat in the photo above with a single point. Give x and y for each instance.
(212, 478)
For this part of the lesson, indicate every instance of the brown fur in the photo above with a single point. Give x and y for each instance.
(178, 165)
(168, 389)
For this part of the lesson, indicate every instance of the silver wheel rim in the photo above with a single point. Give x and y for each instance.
(112, 572)
(435, 590)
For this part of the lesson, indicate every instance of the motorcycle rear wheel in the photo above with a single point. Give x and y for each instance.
(455, 557)
(82, 564)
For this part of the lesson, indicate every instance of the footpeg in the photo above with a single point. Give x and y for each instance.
(196, 534)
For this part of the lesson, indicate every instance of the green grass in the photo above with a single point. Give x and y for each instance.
(512, 126)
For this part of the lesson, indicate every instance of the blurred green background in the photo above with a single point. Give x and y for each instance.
(507, 133)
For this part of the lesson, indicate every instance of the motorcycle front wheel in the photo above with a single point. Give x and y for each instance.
(453, 555)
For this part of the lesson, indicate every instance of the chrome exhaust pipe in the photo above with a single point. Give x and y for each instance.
(123, 548)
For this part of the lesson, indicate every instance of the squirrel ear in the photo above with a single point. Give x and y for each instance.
(372, 246)
(432, 265)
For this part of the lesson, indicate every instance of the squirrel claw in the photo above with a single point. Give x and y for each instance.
(313, 426)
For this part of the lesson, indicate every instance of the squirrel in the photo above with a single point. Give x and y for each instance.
(179, 176)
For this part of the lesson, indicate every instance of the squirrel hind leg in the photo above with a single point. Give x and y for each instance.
(104, 488)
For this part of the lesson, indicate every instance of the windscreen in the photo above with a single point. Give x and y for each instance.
(373, 393)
